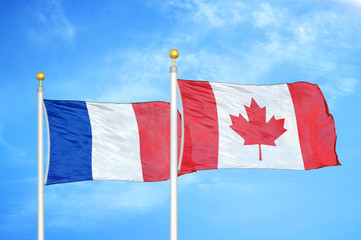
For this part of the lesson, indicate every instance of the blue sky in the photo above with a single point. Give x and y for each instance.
(117, 51)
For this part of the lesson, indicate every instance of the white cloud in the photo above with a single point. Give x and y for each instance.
(339, 87)
(208, 66)
(268, 16)
(52, 24)
(306, 41)
(353, 2)
(130, 75)
(286, 38)
(218, 15)
(211, 13)
(348, 85)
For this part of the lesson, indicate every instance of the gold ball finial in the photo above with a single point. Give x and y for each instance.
(173, 54)
(40, 76)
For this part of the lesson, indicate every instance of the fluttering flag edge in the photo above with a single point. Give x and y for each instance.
(330, 117)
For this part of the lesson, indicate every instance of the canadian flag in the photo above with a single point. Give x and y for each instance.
(283, 126)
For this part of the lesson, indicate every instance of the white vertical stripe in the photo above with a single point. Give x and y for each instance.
(231, 99)
(115, 142)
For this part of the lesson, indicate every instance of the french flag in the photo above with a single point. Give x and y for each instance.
(108, 141)
(283, 126)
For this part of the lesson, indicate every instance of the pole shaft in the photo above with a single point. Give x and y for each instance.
(40, 165)
(173, 155)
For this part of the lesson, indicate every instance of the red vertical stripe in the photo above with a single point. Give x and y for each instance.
(316, 127)
(200, 125)
(153, 120)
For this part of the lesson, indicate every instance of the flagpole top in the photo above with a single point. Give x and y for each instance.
(174, 55)
(40, 76)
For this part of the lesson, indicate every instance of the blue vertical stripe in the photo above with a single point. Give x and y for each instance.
(70, 142)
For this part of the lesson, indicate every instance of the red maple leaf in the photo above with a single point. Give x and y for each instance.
(257, 130)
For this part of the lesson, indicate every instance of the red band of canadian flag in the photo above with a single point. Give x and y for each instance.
(284, 126)
(316, 127)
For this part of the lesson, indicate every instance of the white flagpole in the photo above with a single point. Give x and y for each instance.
(40, 76)
(173, 148)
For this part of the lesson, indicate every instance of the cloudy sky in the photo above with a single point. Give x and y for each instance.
(117, 51)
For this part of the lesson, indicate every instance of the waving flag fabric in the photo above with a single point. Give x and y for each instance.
(284, 126)
(108, 141)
